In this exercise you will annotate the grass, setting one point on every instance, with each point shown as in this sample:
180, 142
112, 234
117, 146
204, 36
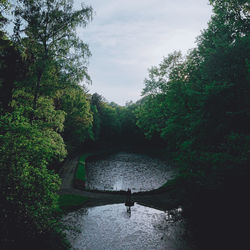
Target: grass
80, 174
80, 171
69, 202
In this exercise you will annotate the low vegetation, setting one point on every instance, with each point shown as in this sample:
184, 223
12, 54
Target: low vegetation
70, 202
80, 174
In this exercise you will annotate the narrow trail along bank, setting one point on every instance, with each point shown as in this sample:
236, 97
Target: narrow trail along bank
159, 200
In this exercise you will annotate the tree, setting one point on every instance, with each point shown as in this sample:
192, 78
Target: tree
130, 132
45, 32
40, 96
4, 4
158, 78
28, 199
205, 99
163, 112
110, 123
11, 69
78, 120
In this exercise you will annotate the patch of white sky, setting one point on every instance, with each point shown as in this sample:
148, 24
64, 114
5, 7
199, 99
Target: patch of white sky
127, 37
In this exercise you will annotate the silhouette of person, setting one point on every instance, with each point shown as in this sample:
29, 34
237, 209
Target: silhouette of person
129, 209
128, 201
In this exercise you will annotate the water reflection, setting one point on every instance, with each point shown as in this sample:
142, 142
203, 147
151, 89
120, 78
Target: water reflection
127, 170
111, 227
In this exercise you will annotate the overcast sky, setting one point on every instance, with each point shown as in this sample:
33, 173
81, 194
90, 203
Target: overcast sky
126, 37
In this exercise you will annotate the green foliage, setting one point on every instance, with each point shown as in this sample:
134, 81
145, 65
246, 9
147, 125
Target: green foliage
45, 33
41, 107
80, 171
110, 122
28, 189
4, 4
10, 70
37, 144
106, 125
96, 123
199, 105
152, 115
159, 77
130, 132
69, 202
114, 124
96, 106
78, 120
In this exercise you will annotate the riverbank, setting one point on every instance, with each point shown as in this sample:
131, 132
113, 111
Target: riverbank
162, 198
214, 216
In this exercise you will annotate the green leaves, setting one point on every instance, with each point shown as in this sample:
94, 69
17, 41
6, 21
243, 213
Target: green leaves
152, 115
159, 77
46, 35
199, 104
41, 101
28, 188
78, 119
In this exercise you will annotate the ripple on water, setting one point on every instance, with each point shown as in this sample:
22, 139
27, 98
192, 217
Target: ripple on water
127, 170
111, 227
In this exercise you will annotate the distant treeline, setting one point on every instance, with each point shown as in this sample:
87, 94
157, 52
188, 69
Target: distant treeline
196, 107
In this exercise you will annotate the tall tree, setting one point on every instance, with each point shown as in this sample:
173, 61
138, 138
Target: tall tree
44, 55
45, 30
4, 4
207, 116
78, 120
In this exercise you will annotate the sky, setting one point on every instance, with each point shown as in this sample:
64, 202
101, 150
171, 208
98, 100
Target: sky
127, 37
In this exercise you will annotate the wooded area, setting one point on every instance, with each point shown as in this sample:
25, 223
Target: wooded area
195, 106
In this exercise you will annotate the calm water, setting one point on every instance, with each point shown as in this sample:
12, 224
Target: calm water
127, 170
111, 227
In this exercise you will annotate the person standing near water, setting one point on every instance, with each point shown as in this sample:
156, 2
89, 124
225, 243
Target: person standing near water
129, 202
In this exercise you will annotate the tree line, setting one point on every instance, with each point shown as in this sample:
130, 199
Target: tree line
195, 106
46, 115
199, 105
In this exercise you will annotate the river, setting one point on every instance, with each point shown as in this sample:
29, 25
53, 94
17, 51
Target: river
124, 170
111, 226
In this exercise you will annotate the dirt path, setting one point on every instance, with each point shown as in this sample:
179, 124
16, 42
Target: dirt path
67, 173
161, 200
